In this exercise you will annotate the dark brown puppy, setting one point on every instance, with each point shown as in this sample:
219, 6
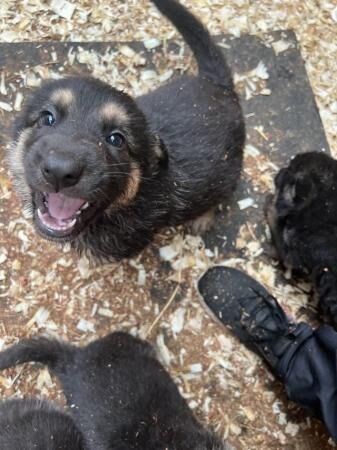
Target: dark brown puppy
33, 424
104, 171
302, 216
120, 396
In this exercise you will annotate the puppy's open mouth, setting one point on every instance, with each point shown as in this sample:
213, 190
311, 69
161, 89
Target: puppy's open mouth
59, 216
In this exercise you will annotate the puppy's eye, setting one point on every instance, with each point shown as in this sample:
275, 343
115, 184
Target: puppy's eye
47, 119
116, 139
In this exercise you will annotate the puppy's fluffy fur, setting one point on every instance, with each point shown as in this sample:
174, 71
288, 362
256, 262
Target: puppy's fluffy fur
120, 395
302, 216
36, 425
104, 171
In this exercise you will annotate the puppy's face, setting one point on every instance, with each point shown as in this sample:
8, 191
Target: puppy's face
81, 148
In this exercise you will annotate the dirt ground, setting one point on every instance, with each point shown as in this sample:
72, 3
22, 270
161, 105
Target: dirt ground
46, 289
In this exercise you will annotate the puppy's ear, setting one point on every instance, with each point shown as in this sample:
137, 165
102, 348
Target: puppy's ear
295, 192
281, 178
305, 191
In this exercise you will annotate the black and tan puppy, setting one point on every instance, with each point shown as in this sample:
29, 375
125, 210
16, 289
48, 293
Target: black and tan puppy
120, 396
36, 425
302, 216
104, 171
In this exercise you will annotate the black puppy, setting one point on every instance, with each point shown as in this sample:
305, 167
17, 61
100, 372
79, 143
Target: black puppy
104, 171
36, 425
120, 396
302, 216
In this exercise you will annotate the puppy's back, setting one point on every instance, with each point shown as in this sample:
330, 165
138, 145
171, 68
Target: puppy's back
36, 425
121, 396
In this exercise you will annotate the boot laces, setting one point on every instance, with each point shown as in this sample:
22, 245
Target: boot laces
262, 317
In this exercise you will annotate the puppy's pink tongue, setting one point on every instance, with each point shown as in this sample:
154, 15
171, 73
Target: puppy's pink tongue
62, 207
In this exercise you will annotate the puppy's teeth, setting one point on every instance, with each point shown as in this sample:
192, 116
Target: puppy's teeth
72, 223
78, 212
39, 213
85, 206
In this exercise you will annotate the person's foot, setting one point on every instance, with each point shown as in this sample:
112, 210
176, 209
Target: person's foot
254, 316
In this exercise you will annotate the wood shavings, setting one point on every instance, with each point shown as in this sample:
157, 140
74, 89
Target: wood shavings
105, 312
261, 132
3, 255
261, 71
251, 150
333, 107
332, 443
260, 170
150, 44
246, 203
6, 106
44, 379
18, 101
193, 404
281, 437
226, 344
196, 368
282, 419
166, 76
254, 248
281, 46
39, 318
165, 354
177, 320
184, 253
127, 51
252, 83
168, 252
141, 280
235, 429
85, 326
267, 274
148, 75
63, 8
292, 429
184, 262
21, 308
3, 89
83, 266
163, 311
31, 80
249, 413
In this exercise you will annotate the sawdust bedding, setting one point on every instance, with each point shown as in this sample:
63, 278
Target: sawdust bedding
44, 289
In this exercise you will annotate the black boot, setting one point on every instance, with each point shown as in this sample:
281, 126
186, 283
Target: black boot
250, 311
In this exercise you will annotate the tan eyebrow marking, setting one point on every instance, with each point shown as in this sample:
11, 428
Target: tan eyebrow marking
62, 97
112, 111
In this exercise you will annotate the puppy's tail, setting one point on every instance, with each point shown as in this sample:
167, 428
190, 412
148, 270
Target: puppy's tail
210, 59
54, 354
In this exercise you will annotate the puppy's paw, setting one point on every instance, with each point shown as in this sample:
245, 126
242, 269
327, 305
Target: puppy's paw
202, 223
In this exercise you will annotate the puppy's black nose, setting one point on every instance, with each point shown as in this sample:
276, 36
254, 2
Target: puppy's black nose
60, 170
